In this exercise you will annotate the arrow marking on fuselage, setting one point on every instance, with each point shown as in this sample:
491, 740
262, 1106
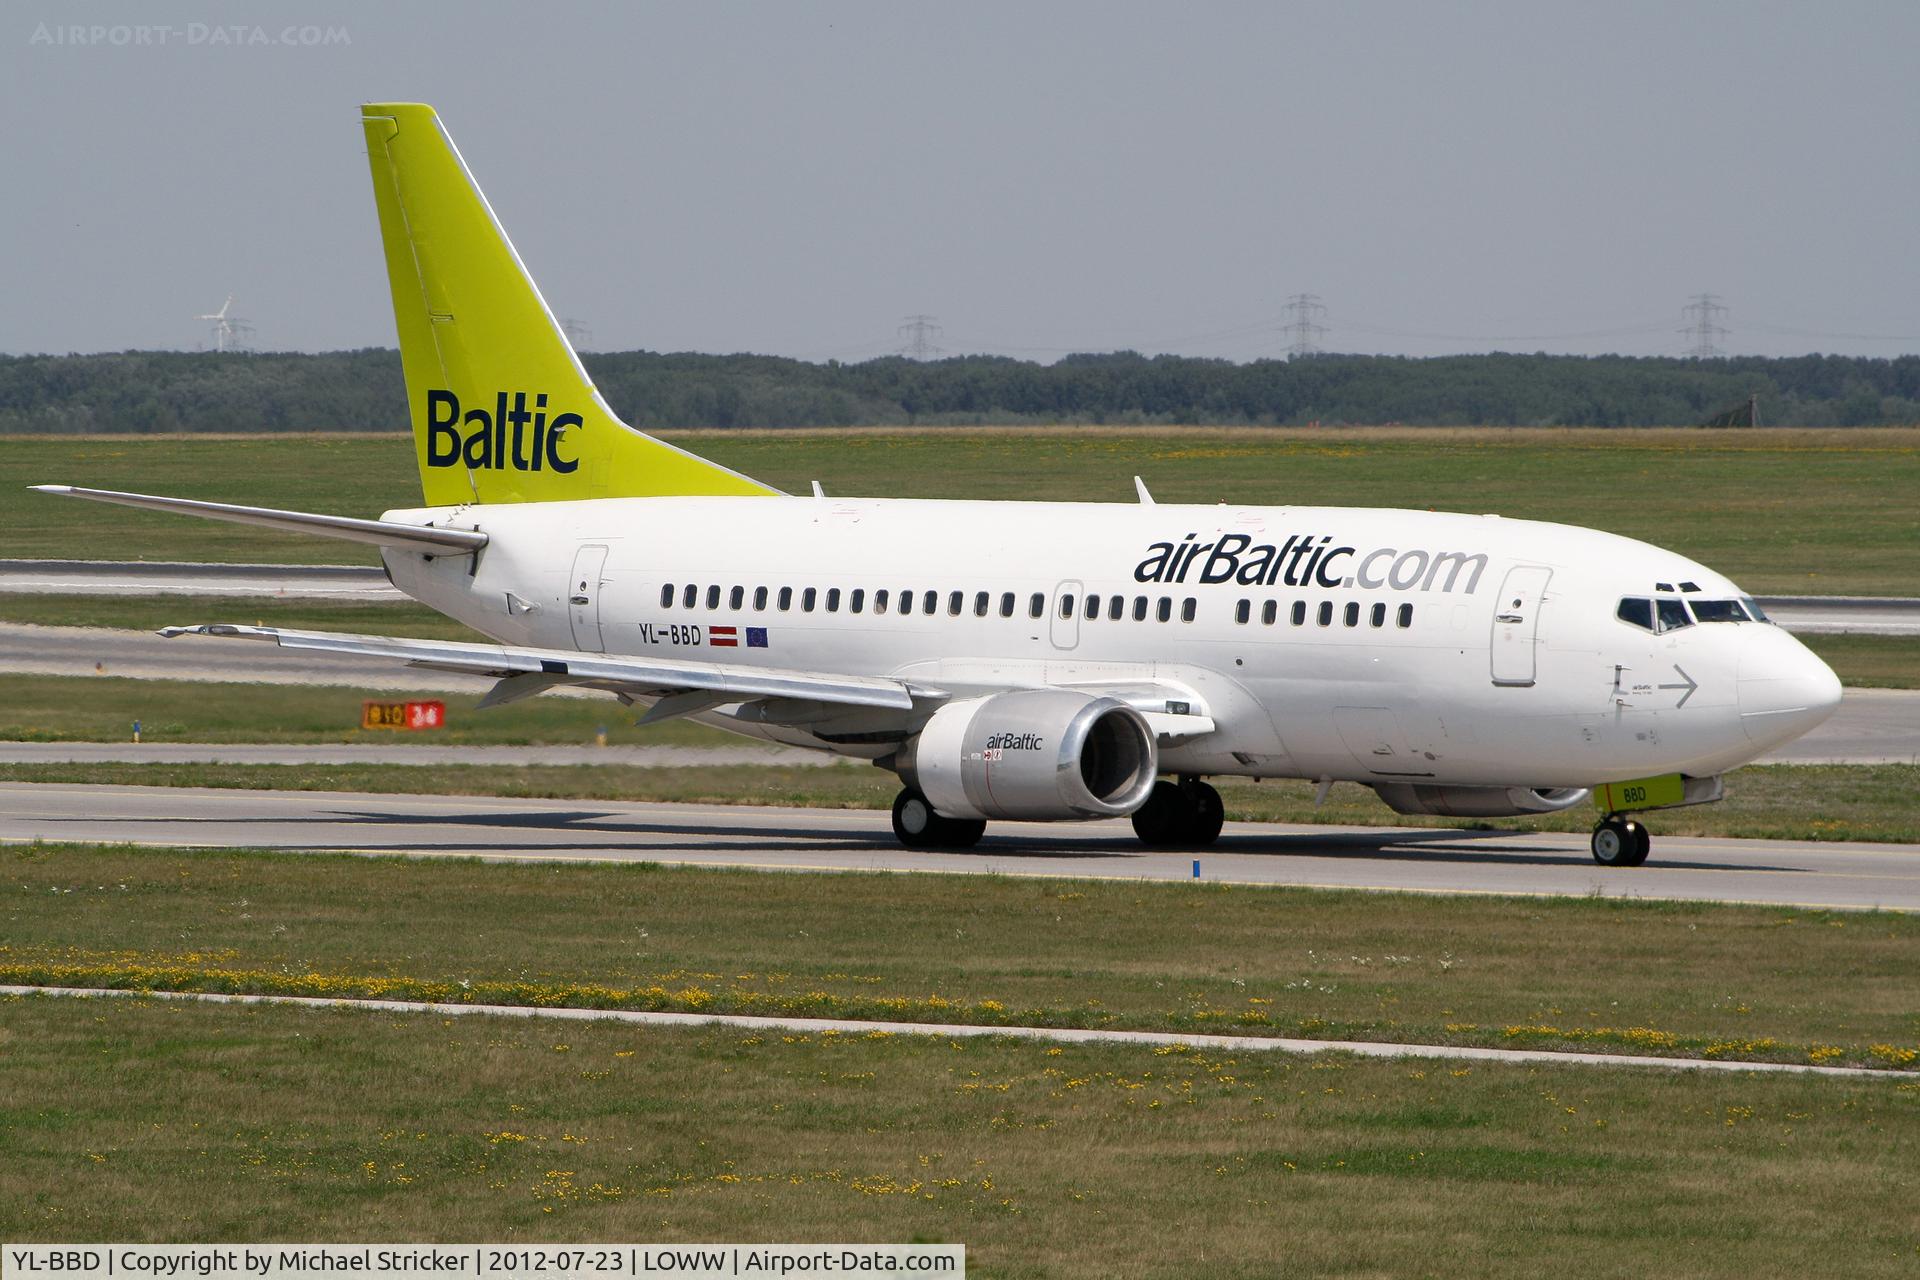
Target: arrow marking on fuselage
1690, 685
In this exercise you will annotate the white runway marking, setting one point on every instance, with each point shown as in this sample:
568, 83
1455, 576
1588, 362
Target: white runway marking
1064, 1035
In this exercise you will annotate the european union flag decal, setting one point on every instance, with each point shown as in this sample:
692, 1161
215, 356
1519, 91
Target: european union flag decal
756, 637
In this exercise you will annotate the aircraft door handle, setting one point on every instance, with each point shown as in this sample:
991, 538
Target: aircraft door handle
578, 599
1509, 617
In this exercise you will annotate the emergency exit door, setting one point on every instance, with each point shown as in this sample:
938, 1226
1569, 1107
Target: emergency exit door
583, 598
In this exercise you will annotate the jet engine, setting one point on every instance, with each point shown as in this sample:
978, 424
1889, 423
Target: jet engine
1476, 802
1033, 754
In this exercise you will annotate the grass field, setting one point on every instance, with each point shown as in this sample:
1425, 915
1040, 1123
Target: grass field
1764, 802
1682, 979
127, 1121
1781, 511
102, 708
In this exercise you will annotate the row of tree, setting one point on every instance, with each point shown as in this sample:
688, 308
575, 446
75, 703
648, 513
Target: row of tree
159, 391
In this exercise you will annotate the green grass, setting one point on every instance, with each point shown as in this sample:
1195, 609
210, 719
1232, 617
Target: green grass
1782, 511
1687, 979
102, 708
132, 1121
1871, 662
1764, 802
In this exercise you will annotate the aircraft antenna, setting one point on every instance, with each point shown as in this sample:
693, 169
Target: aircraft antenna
1703, 327
1303, 326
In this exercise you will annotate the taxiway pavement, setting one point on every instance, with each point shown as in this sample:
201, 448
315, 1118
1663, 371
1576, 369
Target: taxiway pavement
1833, 875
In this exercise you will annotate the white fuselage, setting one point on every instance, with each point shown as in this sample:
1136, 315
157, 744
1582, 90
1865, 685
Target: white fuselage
1431, 647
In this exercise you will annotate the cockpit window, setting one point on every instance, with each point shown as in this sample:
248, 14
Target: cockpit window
1673, 614
1754, 610
1638, 611
1719, 611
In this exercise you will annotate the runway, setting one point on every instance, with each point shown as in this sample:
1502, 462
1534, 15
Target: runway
1836, 875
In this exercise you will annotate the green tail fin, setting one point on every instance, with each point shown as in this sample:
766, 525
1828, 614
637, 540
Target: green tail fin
502, 409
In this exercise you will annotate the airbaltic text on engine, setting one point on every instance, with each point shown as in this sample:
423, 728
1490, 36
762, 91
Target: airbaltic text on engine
484, 445
1306, 560
1015, 742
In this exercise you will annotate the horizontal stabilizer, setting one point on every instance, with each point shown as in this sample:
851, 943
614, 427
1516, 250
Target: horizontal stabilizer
380, 533
635, 676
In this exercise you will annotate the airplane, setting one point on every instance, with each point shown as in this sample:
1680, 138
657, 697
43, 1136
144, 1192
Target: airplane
1021, 661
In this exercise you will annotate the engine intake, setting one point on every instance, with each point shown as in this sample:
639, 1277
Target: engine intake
1034, 754
1476, 802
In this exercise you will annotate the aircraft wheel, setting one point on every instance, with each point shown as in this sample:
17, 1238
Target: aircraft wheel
914, 820
917, 826
1642, 843
1614, 843
1166, 816
1209, 812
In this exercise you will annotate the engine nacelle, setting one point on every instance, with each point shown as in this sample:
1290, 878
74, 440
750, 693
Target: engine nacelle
1476, 802
1034, 754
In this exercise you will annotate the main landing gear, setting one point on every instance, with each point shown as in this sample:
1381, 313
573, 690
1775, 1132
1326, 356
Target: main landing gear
917, 826
1186, 813
1620, 842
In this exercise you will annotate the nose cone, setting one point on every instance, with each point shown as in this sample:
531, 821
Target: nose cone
1784, 689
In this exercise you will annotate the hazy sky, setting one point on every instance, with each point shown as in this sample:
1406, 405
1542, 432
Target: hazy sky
796, 178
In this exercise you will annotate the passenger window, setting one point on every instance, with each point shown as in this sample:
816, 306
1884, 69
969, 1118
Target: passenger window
1636, 610
1406, 615
880, 600
906, 603
981, 602
1379, 616
1326, 613
1006, 604
1719, 611
1116, 608
856, 600
1299, 614
1091, 609
956, 601
1139, 608
760, 599
1673, 614
930, 602
736, 597
1164, 610
807, 598
1188, 608
786, 599
1353, 613
1066, 605
1243, 612
833, 599
689, 596
1037, 605
713, 597
666, 596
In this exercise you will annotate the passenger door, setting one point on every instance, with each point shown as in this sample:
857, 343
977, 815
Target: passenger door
1516, 624
583, 598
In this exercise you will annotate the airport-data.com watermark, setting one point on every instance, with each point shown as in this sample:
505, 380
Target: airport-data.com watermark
186, 35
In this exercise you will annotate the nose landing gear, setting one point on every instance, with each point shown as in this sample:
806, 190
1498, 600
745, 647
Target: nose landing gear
1620, 842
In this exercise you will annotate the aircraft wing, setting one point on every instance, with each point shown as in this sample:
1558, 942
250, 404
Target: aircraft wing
522, 672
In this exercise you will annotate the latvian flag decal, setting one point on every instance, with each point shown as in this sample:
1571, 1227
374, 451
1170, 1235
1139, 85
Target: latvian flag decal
723, 637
